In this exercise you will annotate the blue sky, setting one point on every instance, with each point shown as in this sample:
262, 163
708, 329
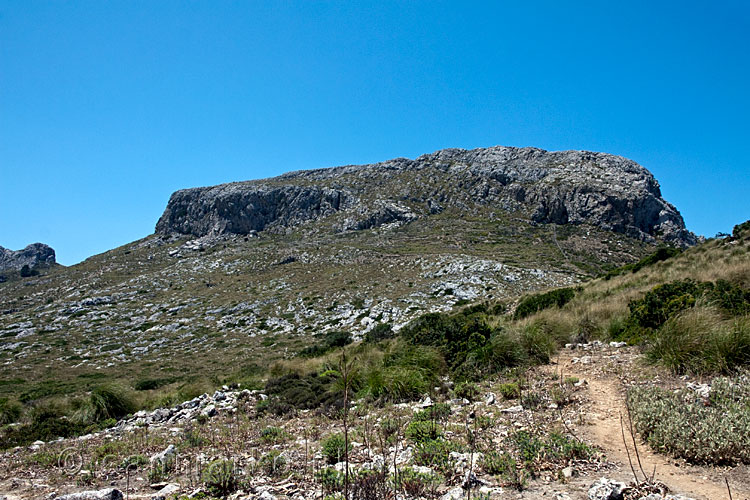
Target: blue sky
108, 107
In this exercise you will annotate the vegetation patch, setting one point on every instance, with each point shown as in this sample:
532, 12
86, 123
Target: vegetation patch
537, 302
713, 430
661, 254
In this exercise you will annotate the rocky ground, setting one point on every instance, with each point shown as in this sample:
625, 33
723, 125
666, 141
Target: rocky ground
178, 450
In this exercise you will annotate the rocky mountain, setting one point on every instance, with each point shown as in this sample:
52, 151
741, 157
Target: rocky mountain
566, 187
251, 273
34, 255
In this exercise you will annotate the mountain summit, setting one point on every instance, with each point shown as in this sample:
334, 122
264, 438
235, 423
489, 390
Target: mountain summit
562, 187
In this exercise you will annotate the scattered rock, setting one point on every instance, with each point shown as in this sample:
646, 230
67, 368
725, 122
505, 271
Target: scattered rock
606, 489
107, 494
165, 457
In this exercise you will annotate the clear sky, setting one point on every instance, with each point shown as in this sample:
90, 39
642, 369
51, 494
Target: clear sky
108, 107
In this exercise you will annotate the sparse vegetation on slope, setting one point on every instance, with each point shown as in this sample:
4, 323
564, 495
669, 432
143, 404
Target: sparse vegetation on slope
685, 424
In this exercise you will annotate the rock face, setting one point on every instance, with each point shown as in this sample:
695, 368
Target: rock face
564, 187
33, 255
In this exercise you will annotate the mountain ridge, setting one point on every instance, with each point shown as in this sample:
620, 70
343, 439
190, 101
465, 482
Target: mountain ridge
560, 187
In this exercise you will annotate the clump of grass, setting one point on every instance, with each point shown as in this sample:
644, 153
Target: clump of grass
698, 342
10, 411
46, 422
110, 401
683, 424
405, 372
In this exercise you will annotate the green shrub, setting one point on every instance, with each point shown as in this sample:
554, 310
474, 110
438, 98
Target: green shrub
437, 413
510, 390
47, 423
382, 331
553, 448
331, 341
150, 384
467, 390
683, 424
505, 466
470, 347
661, 254
295, 392
334, 448
330, 479
417, 484
406, 372
537, 302
420, 431
436, 454
273, 435
696, 342
538, 342
273, 463
741, 230
219, 478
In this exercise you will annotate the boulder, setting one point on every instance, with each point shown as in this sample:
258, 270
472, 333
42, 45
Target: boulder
106, 494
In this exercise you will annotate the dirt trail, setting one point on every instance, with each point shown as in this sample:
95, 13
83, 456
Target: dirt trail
607, 401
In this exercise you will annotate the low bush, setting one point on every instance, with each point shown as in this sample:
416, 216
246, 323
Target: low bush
466, 390
435, 454
47, 423
110, 402
334, 448
296, 392
220, 478
272, 463
331, 341
382, 331
683, 424
420, 431
553, 448
417, 484
406, 372
472, 349
435, 413
505, 466
539, 342
537, 302
150, 384
273, 435
330, 479
510, 390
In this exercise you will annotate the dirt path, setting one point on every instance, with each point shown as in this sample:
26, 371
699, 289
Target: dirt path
606, 402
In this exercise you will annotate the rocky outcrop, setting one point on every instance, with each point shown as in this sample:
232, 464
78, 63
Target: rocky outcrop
241, 208
564, 187
34, 255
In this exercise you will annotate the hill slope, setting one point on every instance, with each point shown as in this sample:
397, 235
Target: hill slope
243, 274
